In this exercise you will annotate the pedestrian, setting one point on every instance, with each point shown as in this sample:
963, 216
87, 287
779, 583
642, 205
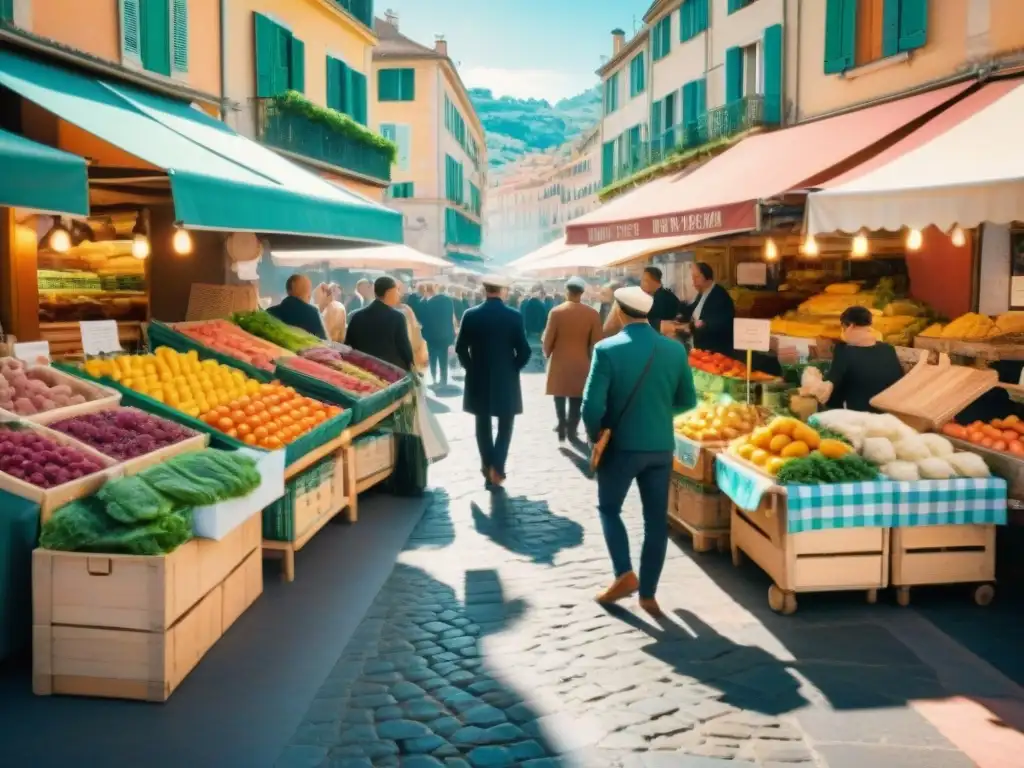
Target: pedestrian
572, 330
534, 315
380, 330
363, 296
439, 332
666, 305
295, 308
712, 313
332, 311
412, 299
493, 350
639, 380
412, 325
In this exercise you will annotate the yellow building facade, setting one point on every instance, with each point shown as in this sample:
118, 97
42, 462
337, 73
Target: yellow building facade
439, 178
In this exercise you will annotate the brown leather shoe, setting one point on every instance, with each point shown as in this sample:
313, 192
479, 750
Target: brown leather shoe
496, 478
650, 605
621, 588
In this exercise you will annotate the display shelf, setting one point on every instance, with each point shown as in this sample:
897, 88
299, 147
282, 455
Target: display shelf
372, 421
944, 554
375, 479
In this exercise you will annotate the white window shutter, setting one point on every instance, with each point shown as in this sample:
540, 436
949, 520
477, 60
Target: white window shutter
404, 142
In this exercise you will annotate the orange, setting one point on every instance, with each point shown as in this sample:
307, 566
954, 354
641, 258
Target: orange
225, 423
249, 440
303, 411
260, 433
223, 410
274, 411
244, 400
249, 409
319, 416
237, 416
232, 433
273, 443
259, 405
243, 429
273, 426
286, 421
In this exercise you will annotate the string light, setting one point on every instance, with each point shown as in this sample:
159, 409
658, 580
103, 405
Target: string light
810, 246
59, 239
182, 241
771, 250
860, 246
957, 237
914, 240
140, 240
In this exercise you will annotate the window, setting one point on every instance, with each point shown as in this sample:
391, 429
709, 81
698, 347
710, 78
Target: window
611, 94
361, 9
401, 191
695, 103
636, 76
661, 38
858, 32
752, 82
693, 19
401, 136
396, 85
771, 72
735, 5
280, 59
461, 230
454, 122
454, 180
154, 33
474, 198
607, 163
346, 90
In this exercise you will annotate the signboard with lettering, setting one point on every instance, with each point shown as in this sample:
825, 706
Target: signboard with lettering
736, 217
752, 335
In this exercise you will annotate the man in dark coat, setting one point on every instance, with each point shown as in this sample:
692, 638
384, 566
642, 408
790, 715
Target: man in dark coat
361, 297
493, 350
666, 305
296, 310
535, 315
413, 299
379, 329
439, 332
711, 315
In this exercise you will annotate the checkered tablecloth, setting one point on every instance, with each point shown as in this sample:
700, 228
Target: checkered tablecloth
874, 504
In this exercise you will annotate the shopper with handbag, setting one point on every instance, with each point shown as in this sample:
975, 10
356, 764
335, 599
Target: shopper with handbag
638, 381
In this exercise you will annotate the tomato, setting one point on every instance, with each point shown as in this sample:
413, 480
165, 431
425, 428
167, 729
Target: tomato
1010, 435
987, 442
999, 445
1016, 447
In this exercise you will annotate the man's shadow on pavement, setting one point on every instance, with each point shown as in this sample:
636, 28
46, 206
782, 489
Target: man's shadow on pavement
749, 677
435, 529
526, 527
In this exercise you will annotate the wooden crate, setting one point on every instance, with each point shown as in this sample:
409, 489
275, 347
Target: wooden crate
98, 397
134, 592
149, 665
703, 469
372, 457
840, 559
944, 554
702, 514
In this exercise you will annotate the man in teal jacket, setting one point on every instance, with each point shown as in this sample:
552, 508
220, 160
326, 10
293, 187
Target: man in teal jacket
638, 381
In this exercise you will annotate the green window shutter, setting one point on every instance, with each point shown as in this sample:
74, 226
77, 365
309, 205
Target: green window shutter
687, 20
131, 36
772, 68
840, 35
700, 97
891, 27
347, 101
666, 36
656, 120
358, 81
387, 85
407, 84
690, 103
913, 24
334, 84
702, 16
179, 35
735, 5
297, 66
7, 10
403, 138
607, 163
668, 112
155, 35
733, 75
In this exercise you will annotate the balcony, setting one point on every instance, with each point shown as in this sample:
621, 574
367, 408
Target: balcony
716, 126
295, 125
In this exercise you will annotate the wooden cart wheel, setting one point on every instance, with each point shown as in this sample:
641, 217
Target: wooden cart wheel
984, 594
872, 596
781, 601
903, 596
737, 557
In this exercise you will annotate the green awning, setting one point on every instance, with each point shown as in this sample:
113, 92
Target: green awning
464, 258
42, 178
219, 179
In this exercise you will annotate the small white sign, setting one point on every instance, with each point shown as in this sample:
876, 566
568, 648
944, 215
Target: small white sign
1016, 291
752, 273
753, 335
33, 352
100, 337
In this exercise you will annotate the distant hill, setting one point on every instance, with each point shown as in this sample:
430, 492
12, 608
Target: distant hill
517, 127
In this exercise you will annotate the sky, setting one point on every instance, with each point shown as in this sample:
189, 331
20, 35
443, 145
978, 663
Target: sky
545, 49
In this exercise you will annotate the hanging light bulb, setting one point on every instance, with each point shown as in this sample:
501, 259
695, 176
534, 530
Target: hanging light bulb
140, 240
810, 246
914, 240
771, 250
182, 241
860, 246
957, 237
58, 239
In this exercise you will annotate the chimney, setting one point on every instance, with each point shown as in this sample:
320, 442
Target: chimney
391, 18
618, 41
441, 45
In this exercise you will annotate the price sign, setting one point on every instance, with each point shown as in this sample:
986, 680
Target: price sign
100, 337
687, 451
752, 335
752, 273
33, 352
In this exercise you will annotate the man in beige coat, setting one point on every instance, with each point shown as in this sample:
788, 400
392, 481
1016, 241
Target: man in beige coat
571, 332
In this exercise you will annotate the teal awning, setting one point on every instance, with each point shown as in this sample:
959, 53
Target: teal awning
41, 178
464, 258
219, 179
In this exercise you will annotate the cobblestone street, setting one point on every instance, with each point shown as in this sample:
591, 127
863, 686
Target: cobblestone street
485, 647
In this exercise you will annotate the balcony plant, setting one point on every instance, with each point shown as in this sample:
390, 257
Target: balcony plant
337, 122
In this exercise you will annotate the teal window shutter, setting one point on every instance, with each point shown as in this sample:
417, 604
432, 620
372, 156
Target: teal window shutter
840, 35
702, 16
179, 36
666, 36
388, 85
607, 163
403, 138
668, 112
735, 5
772, 49
700, 97
347, 90
358, 113
266, 54
913, 24
155, 35
733, 75
636, 76
407, 84
334, 85
891, 27
131, 36
7, 10
656, 120
687, 20
297, 66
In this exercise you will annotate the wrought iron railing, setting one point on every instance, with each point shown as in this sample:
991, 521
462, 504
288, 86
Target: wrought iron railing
719, 123
294, 132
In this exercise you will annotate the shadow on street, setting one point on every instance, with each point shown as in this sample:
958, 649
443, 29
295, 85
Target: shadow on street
435, 529
526, 527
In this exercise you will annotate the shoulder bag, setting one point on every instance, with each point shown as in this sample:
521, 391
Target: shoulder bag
604, 437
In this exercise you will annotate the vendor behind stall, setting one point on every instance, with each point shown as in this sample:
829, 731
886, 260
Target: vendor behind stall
295, 308
711, 314
862, 366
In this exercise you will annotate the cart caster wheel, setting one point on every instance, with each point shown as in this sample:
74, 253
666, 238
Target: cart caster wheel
903, 596
984, 594
780, 601
737, 557
872, 596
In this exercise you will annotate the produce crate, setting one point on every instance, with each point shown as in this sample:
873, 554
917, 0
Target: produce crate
696, 461
97, 397
701, 511
83, 659
944, 554
162, 335
362, 407
374, 453
215, 521
307, 497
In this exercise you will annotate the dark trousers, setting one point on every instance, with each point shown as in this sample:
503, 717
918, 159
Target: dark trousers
438, 352
575, 406
652, 471
494, 449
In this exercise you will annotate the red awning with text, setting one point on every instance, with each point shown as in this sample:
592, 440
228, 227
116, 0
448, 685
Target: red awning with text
723, 194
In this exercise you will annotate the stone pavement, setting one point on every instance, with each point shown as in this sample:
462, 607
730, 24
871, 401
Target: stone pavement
485, 647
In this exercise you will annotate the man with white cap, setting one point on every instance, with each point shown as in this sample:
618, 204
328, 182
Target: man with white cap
638, 381
493, 350
571, 332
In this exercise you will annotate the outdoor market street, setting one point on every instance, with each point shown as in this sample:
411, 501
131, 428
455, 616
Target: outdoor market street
485, 648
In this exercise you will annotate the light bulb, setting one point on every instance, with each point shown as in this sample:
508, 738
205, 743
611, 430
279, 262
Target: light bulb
958, 238
182, 242
810, 246
860, 246
914, 240
771, 250
140, 246
60, 240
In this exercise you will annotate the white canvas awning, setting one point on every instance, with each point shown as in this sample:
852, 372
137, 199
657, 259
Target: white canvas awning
612, 254
384, 258
962, 168
544, 252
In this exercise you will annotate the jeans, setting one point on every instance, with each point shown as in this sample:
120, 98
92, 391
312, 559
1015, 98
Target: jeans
575, 405
494, 450
652, 471
438, 353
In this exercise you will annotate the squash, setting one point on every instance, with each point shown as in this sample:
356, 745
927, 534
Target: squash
798, 449
783, 425
833, 449
773, 465
778, 443
760, 457
745, 451
761, 438
805, 434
